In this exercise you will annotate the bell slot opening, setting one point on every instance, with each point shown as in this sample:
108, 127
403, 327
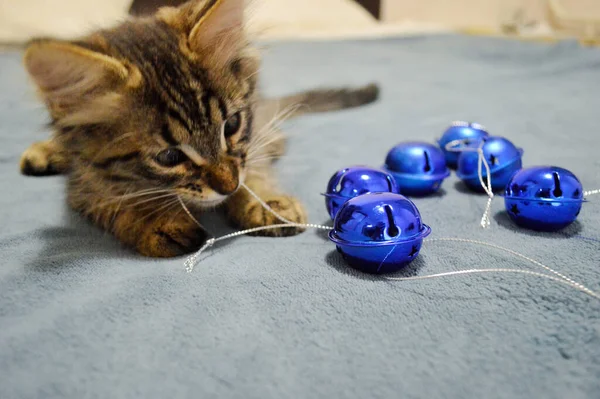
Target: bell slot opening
427, 167
392, 229
557, 191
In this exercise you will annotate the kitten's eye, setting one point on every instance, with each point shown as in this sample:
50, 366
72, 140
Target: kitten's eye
170, 157
233, 124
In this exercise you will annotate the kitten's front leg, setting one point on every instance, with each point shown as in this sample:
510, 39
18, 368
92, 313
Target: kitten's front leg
168, 234
171, 236
246, 212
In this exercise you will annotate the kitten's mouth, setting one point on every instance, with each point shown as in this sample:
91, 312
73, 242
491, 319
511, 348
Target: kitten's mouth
203, 203
209, 203
193, 196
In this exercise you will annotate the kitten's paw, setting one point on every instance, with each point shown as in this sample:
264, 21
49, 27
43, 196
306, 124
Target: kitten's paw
42, 159
286, 206
171, 237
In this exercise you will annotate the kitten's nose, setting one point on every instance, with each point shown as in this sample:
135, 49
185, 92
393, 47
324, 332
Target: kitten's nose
223, 178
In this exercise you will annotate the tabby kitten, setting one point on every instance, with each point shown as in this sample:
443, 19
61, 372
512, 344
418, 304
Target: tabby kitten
159, 118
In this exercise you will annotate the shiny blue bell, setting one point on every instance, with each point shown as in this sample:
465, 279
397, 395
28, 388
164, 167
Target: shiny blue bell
543, 198
471, 132
418, 168
379, 232
354, 181
503, 158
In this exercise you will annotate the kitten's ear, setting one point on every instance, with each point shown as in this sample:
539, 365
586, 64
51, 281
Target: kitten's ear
65, 72
220, 23
214, 26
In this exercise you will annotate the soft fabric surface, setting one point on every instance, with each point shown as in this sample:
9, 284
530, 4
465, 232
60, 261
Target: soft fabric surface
285, 318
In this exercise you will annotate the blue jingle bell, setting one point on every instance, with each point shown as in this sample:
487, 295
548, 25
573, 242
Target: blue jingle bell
503, 158
418, 168
543, 198
379, 232
471, 132
354, 181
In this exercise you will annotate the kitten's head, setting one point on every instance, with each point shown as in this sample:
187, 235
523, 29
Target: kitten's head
162, 102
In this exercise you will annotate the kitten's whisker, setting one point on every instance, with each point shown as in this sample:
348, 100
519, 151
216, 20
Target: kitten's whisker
171, 208
129, 194
123, 200
159, 197
124, 197
268, 126
253, 149
277, 120
259, 141
116, 211
257, 171
265, 155
254, 74
166, 207
266, 131
150, 190
258, 152
264, 159
271, 125
284, 114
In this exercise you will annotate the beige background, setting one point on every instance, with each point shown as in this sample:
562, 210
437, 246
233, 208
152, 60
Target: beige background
462, 13
577, 17
287, 19
22, 19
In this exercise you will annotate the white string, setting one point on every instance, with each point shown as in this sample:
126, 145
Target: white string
473, 125
459, 124
485, 219
510, 251
187, 211
264, 204
191, 262
591, 192
475, 271
560, 278
462, 146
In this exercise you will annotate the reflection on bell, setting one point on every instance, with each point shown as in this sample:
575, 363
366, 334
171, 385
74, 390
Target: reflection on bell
354, 181
543, 198
379, 232
470, 132
418, 168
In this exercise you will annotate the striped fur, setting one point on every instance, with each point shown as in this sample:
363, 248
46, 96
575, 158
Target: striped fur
158, 119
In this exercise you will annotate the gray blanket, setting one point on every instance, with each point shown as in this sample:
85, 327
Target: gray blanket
80, 316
